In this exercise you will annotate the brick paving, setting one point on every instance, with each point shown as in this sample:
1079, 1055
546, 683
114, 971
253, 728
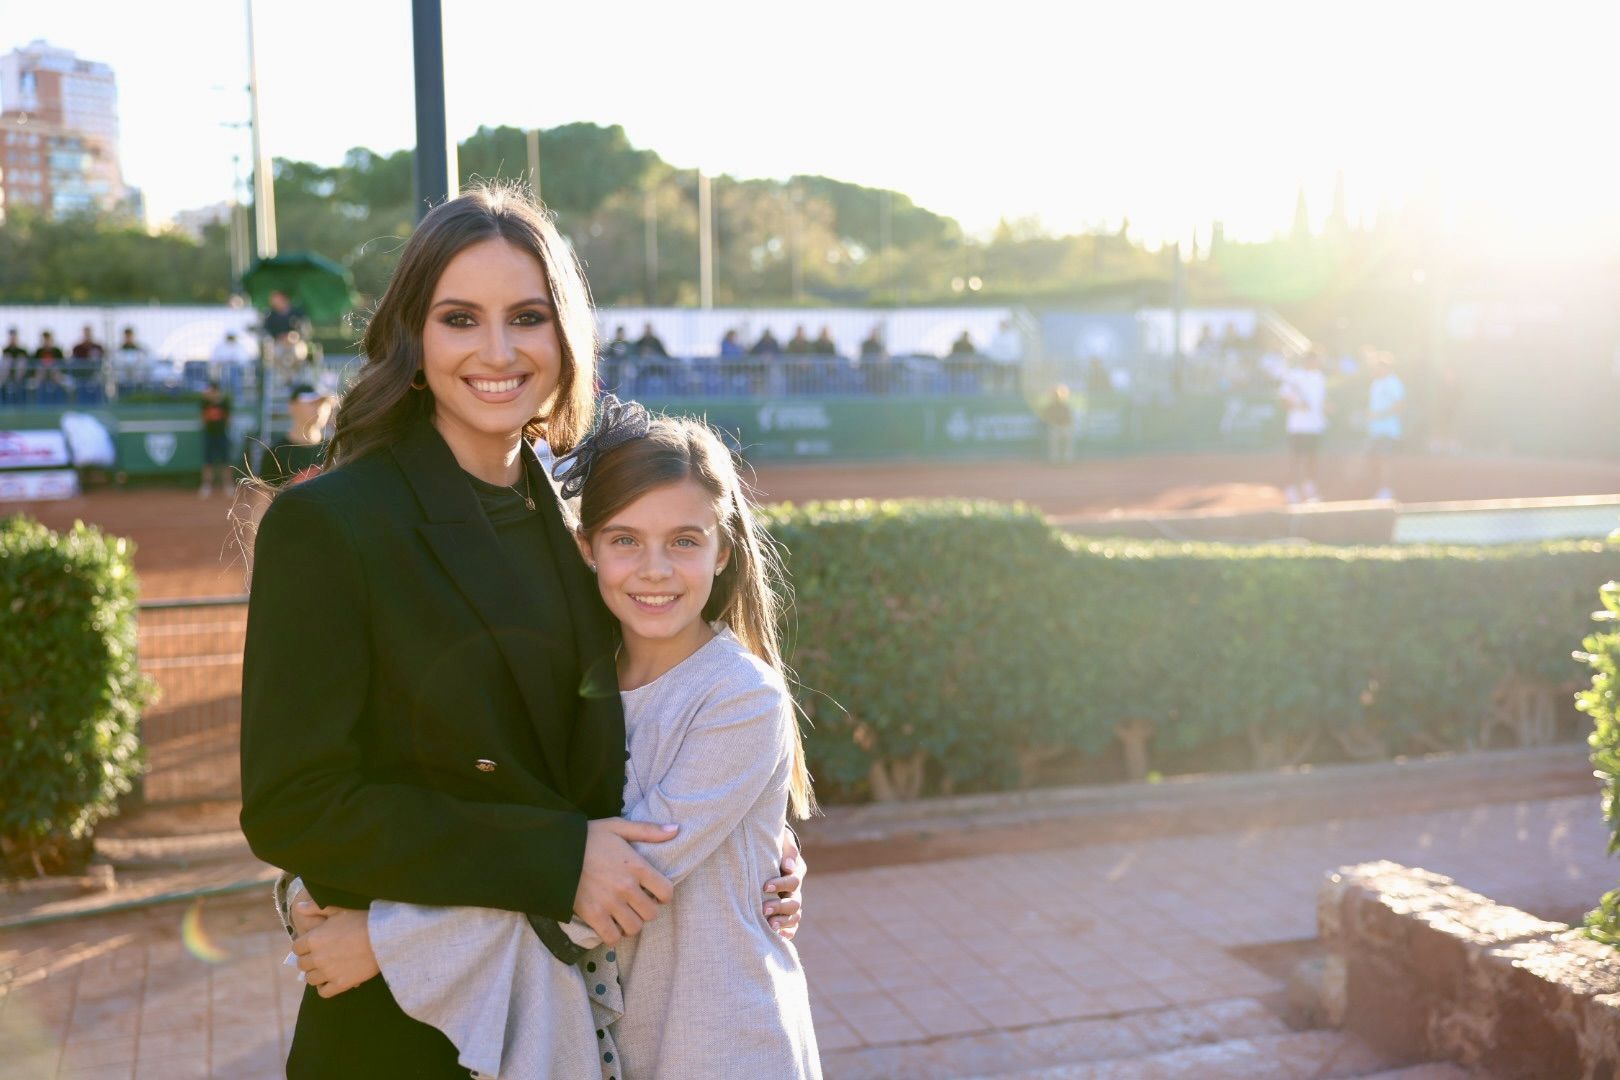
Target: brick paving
1023, 963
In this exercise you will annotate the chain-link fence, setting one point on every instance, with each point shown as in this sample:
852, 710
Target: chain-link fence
192, 650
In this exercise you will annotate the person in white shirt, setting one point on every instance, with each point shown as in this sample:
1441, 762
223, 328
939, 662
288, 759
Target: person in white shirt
229, 351
1304, 395
1386, 401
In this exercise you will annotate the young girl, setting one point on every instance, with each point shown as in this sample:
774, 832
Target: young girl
709, 989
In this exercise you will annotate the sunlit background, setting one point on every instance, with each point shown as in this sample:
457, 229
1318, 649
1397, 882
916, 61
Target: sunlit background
1496, 120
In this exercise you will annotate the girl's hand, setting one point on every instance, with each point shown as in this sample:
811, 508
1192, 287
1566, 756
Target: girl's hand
783, 904
336, 955
306, 914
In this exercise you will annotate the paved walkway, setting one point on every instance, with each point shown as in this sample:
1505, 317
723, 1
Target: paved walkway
983, 966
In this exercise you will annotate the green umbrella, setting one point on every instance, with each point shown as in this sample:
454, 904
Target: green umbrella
323, 288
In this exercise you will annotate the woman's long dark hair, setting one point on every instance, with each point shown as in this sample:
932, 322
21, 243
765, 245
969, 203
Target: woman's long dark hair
381, 404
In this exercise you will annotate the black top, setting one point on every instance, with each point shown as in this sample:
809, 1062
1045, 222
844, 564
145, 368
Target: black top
536, 575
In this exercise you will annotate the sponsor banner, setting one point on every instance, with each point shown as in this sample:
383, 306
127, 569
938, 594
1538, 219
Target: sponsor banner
156, 445
38, 486
809, 429
33, 450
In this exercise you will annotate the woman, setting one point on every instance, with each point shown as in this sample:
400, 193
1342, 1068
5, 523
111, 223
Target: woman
428, 706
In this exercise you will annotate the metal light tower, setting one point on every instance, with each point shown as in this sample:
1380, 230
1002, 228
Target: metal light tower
264, 187
705, 242
436, 178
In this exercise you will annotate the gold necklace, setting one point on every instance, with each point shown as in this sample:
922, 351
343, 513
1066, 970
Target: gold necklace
527, 494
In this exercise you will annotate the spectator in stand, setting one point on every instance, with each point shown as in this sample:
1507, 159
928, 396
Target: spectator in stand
872, 347
960, 362
216, 423
48, 362
88, 347
649, 343
1386, 401
767, 345
14, 359
619, 346
229, 351
761, 357
85, 360
824, 344
129, 360
799, 344
1304, 395
730, 347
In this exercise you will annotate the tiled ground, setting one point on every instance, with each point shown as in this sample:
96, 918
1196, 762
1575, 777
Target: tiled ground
912, 968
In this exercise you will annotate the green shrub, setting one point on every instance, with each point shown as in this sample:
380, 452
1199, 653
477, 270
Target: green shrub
954, 644
70, 693
1601, 701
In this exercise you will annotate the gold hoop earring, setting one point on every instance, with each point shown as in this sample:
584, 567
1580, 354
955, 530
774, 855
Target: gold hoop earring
420, 374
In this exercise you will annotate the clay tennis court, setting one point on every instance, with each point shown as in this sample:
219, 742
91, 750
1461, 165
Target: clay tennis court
185, 546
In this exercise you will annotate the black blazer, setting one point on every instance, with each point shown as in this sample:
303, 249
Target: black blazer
399, 738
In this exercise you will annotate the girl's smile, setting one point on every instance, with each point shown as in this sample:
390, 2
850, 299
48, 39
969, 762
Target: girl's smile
656, 561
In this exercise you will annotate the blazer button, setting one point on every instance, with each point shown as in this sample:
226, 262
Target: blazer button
485, 765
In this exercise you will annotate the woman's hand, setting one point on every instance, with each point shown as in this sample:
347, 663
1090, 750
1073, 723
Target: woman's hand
619, 891
336, 954
783, 905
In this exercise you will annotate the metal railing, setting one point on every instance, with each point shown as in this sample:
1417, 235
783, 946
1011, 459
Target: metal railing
778, 375
192, 651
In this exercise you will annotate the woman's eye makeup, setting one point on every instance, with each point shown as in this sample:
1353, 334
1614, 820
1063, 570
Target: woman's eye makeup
530, 317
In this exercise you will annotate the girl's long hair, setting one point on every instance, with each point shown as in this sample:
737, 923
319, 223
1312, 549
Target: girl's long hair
381, 404
750, 595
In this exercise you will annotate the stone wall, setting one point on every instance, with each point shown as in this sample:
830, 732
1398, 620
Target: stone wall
1426, 969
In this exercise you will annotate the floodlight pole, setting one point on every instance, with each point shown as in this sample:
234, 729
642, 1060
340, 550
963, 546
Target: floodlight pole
436, 178
533, 139
705, 242
264, 187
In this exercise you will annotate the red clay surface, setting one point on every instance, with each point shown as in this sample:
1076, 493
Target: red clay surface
185, 545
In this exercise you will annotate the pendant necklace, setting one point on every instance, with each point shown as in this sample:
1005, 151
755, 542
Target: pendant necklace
527, 494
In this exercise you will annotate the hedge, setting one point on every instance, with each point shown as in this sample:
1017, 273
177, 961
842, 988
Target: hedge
1601, 701
947, 645
70, 693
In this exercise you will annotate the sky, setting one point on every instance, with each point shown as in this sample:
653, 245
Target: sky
1079, 115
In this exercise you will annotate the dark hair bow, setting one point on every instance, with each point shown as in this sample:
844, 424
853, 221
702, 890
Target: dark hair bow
617, 423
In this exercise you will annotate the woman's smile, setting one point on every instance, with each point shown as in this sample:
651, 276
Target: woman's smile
496, 391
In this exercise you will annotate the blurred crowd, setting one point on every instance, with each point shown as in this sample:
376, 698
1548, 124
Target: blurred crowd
644, 367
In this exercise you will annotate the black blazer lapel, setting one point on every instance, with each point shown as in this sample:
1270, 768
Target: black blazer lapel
596, 751
466, 546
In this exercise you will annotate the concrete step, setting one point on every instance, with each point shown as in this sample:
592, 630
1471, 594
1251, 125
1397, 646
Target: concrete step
1295, 1055
1044, 1045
